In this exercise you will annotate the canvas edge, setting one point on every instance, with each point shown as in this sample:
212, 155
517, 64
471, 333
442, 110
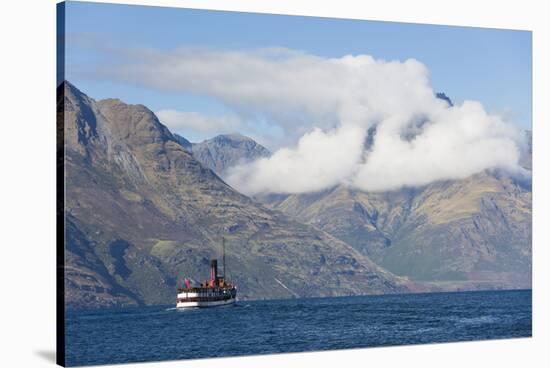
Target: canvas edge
60, 187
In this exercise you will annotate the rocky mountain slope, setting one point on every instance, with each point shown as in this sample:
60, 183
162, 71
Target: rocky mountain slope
141, 213
227, 150
474, 231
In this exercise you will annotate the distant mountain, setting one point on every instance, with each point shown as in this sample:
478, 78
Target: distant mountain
475, 231
142, 213
227, 150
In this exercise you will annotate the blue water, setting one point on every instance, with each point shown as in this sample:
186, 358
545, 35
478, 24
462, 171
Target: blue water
259, 327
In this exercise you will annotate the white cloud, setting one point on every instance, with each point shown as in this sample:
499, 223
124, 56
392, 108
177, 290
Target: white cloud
182, 120
318, 161
326, 106
455, 143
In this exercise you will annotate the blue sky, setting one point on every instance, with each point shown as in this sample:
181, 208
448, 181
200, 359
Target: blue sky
488, 65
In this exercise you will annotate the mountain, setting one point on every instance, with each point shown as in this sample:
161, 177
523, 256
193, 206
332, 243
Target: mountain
141, 213
226, 150
474, 231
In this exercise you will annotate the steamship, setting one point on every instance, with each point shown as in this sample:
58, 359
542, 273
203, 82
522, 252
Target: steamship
215, 292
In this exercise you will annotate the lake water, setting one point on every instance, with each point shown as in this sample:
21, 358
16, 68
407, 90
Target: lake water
260, 327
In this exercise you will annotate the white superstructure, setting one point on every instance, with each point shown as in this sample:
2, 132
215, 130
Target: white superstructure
206, 297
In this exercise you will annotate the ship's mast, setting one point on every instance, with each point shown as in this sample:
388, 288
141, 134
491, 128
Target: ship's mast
223, 256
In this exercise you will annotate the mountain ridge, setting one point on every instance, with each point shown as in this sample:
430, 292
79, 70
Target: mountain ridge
472, 229
141, 212
228, 150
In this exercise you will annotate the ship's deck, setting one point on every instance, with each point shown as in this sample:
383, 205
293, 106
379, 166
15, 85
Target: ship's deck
207, 289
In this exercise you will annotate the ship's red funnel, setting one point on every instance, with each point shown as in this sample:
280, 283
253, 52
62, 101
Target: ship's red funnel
213, 270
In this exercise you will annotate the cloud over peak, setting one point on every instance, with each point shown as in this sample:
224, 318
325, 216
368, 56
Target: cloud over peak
326, 106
